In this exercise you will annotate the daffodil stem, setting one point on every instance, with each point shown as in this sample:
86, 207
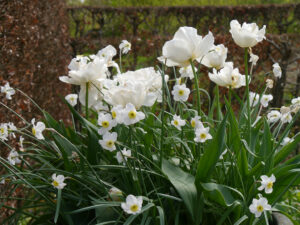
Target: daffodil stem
247, 93
197, 88
162, 115
87, 100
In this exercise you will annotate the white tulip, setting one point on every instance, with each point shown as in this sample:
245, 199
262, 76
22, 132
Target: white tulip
107, 54
202, 134
78, 62
8, 91
37, 129
267, 183
258, 206
216, 57
72, 99
58, 181
274, 116
108, 141
133, 205
277, 70
181, 92
265, 99
125, 46
246, 35
177, 122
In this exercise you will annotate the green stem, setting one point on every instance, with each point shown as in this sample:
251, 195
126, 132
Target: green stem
87, 100
229, 95
247, 94
162, 115
197, 88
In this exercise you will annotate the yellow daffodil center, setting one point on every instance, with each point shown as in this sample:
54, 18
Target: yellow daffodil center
134, 208
132, 114
176, 122
33, 131
193, 123
110, 144
55, 183
72, 99
113, 114
2, 130
270, 185
181, 92
105, 124
203, 136
260, 208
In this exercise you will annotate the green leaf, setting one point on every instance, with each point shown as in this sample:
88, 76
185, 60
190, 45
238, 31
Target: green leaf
266, 149
286, 150
161, 215
133, 217
242, 219
57, 205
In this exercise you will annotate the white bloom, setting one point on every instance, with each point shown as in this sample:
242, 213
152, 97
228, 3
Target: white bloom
100, 106
265, 99
21, 140
106, 122
177, 122
117, 113
8, 91
285, 109
258, 206
108, 141
133, 205
267, 183
2, 181
3, 131
13, 157
274, 116
37, 129
202, 134
115, 194
296, 101
11, 129
181, 93
122, 156
223, 154
58, 181
72, 99
246, 35
269, 83
187, 72
286, 117
131, 116
107, 54
253, 59
125, 46
216, 57
78, 62
254, 98
196, 123
277, 70
287, 140
228, 77
186, 45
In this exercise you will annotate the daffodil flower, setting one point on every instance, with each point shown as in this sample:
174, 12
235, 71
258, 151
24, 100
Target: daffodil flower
133, 205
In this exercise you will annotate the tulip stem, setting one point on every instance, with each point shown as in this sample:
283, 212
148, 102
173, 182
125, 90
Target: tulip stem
87, 100
247, 93
197, 88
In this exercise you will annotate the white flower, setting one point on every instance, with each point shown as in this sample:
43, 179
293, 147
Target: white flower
125, 46
72, 99
286, 141
253, 59
122, 156
267, 183
37, 129
11, 129
21, 143
269, 83
58, 181
117, 113
8, 91
187, 72
181, 93
131, 116
186, 45
177, 122
286, 117
108, 141
133, 205
13, 157
216, 57
223, 154
2, 181
285, 109
196, 123
99, 106
265, 99
106, 122
258, 206
246, 35
254, 98
274, 116
296, 101
78, 62
277, 70
107, 54
115, 194
228, 77
3, 131
202, 134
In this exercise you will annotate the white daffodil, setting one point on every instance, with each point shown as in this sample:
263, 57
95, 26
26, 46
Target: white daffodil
123, 155
269, 83
106, 122
177, 122
202, 134
277, 70
274, 116
216, 57
11, 129
131, 116
246, 35
21, 140
258, 206
196, 123
253, 59
117, 113
181, 93
253, 98
133, 205
286, 141
286, 117
108, 141
100, 106
187, 72
13, 157
115, 194
125, 46
267, 183
186, 46
72, 99
296, 101
37, 129
3, 131
228, 77
58, 181
265, 99
8, 91
2, 181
